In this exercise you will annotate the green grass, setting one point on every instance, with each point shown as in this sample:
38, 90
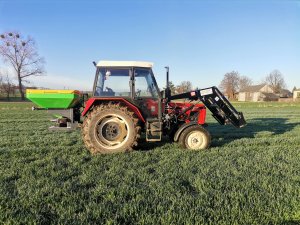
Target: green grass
248, 176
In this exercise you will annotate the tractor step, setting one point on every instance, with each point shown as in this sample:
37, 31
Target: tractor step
153, 130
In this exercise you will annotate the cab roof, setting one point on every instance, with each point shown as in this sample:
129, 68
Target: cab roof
124, 64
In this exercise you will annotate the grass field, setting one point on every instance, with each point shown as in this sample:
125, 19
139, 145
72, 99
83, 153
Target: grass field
248, 176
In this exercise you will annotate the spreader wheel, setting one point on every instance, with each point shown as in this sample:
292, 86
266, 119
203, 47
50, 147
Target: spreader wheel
110, 128
195, 138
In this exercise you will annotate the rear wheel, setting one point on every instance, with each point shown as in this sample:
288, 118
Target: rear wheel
195, 138
110, 128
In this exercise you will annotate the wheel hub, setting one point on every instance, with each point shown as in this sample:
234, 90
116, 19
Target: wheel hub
195, 140
112, 131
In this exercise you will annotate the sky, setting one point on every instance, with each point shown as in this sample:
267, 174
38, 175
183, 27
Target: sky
199, 40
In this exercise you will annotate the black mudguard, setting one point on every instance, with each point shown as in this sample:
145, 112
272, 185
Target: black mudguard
182, 128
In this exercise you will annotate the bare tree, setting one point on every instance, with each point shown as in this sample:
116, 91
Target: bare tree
184, 86
244, 82
21, 54
230, 84
7, 87
1, 82
276, 81
1, 78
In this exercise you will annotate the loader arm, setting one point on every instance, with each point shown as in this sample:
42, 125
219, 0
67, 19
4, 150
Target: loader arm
222, 110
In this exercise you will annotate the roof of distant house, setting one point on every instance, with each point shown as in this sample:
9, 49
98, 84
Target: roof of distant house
253, 88
285, 91
270, 95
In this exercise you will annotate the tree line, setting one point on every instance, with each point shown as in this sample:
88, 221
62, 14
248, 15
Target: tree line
7, 87
184, 86
233, 83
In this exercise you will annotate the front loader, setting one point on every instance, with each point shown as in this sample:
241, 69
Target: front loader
127, 106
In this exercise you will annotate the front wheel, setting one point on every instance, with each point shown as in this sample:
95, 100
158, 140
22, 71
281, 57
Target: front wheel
195, 138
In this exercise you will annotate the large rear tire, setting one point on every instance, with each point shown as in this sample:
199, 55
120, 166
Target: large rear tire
110, 128
195, 138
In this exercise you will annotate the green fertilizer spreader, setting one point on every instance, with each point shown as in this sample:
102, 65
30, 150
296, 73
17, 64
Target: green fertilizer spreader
54, 99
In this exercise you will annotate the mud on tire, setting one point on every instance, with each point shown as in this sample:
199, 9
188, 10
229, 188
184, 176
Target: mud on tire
110, 128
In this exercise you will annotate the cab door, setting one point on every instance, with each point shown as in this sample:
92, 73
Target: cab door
146, 94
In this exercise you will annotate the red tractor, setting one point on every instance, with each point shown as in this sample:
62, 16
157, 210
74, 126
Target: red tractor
127, 106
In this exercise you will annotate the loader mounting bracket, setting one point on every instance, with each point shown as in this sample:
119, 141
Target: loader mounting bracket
222, 110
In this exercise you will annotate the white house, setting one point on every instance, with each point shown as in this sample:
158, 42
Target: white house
296, 94
256, 93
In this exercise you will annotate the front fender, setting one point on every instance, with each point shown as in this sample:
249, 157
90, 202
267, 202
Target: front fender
182, 128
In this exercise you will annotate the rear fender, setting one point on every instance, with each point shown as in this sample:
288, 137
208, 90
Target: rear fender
97, 101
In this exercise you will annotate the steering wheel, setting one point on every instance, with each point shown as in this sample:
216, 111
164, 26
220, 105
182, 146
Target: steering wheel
109, 90
138, 93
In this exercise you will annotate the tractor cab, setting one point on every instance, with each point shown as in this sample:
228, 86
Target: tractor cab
133, 81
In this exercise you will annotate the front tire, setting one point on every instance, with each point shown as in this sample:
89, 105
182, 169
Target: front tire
195, 138
110, 128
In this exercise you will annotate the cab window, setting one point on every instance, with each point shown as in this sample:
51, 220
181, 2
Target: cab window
113, 82
144, 83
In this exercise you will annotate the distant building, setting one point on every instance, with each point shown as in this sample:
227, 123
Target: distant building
284, 93
257, 93
296, 94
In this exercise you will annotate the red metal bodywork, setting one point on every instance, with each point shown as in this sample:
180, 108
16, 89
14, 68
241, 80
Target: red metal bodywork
152, 106
179, 107
96, 100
